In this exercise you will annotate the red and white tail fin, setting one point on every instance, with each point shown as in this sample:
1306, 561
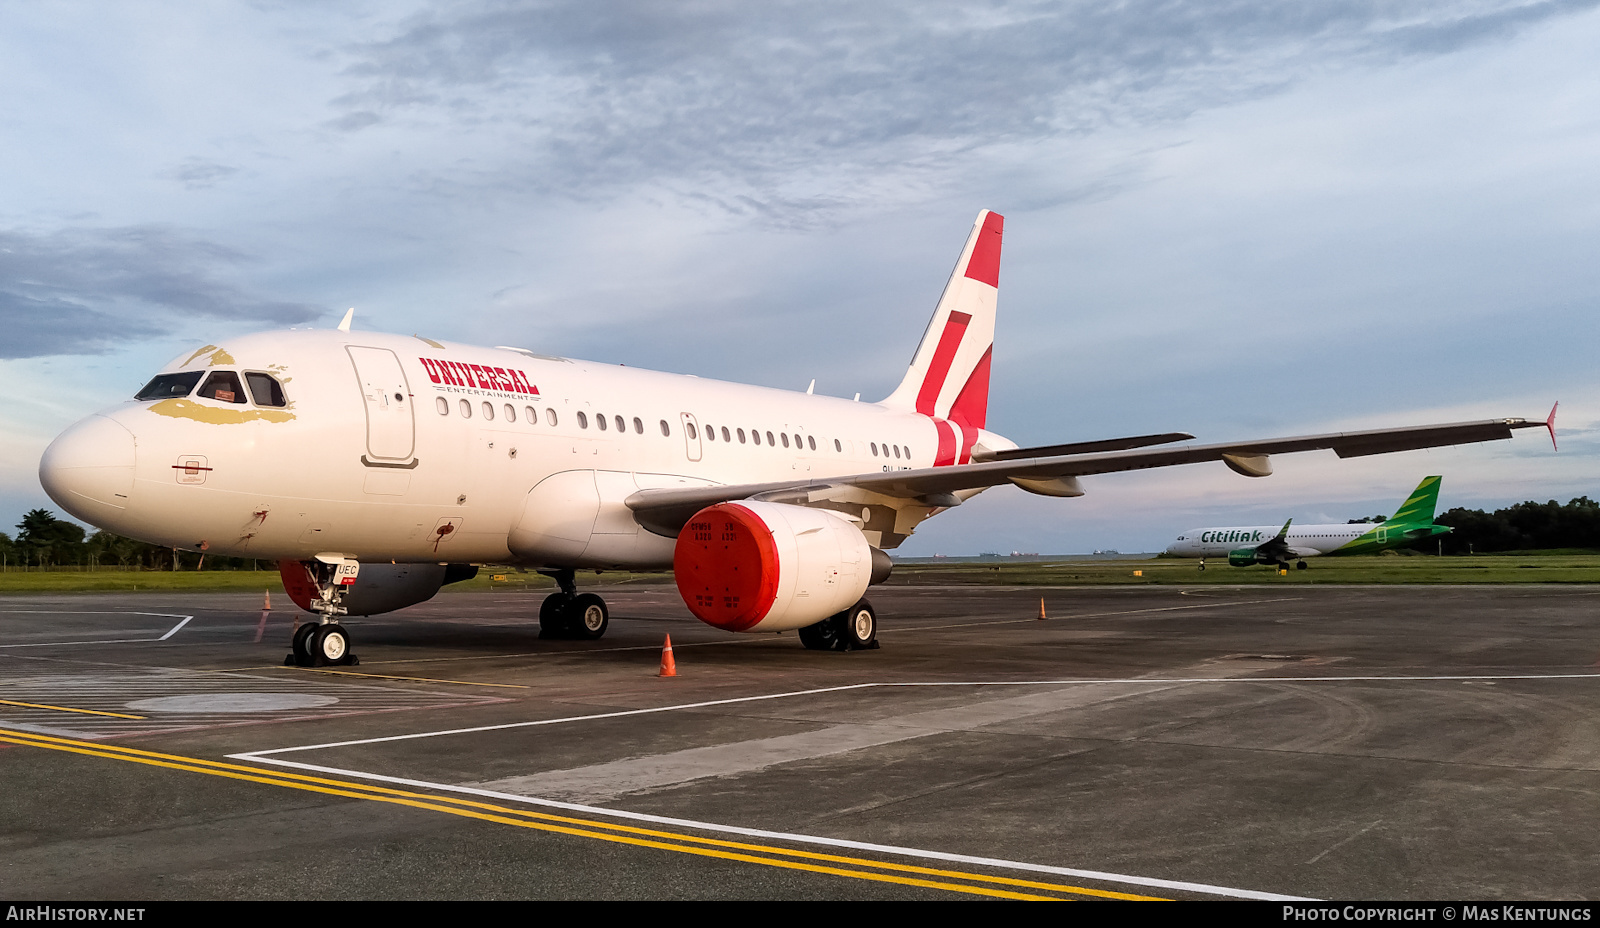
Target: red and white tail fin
949, 375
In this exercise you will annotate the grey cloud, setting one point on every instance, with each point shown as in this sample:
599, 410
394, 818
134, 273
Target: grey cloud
198, 173
81, 290
34, 328
634, 91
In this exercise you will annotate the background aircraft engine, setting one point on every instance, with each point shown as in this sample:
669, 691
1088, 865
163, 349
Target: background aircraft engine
754, 566
1244, 557
378, 587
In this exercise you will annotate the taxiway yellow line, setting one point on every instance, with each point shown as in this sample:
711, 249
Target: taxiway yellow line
622, 834
35, 705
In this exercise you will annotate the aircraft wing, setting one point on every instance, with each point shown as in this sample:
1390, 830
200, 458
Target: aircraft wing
666, 510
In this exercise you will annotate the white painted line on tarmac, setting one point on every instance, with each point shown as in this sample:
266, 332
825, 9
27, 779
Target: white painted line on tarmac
896, 850
174, 629
56, 644
574, 718
1152, 681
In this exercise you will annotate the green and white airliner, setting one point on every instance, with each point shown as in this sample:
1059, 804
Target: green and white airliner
1266, 544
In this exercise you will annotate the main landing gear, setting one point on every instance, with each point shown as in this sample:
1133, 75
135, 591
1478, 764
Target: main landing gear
570, 614
325, 642
855, 629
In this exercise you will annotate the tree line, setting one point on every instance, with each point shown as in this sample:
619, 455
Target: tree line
44, 541
1526, 526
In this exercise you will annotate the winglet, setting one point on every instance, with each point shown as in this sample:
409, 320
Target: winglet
1283, 532
349, 315
1550, 423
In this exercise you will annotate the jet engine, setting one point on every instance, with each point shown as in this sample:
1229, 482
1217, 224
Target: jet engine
378, 587
757, 566
1245, 557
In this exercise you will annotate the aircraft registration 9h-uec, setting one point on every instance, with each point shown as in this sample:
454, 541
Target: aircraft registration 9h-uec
377, 468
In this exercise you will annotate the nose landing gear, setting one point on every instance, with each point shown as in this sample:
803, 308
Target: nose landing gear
326, 642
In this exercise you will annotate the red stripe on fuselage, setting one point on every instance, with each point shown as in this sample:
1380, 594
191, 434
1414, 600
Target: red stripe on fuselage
984, 265
947, 444
949, 340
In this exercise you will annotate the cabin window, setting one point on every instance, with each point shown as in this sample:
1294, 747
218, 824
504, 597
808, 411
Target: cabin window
166, 386
600, 420
836, 445
488, 410
811, 442
622, 426
741, 435
466, 409
908, 452
897, 451
770, 441
223, 386
755, 436
667, 432
785, 440
265, 390
443, 404
583, 420
532, 414
550, 415
725, 434
797, 439
711, 432
874, 449
511, 413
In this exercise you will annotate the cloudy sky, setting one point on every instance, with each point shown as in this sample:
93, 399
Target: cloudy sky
1238, 219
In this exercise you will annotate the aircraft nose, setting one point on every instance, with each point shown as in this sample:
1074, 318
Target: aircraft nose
88, 469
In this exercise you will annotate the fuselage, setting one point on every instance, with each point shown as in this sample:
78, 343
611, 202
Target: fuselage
1302, 540
384, 447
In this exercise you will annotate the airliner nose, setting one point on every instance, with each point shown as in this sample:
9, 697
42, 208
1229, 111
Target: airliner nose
88, 469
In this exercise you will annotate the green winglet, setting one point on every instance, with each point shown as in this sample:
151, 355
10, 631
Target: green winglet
1283, 532
1418, 508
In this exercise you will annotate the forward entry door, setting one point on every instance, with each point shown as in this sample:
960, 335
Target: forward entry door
391, 429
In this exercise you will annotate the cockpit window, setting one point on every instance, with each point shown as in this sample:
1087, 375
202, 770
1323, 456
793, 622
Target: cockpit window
265, 390
167, 386
223, 386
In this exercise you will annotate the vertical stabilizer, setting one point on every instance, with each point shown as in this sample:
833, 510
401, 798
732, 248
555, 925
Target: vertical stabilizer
949, 375
1423, 500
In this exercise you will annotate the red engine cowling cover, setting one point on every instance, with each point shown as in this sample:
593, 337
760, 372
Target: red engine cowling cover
755, 566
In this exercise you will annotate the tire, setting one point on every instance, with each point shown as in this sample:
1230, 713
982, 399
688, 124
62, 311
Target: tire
587, 617
823, 636
300, 648
858, 627
330, 645
552, 618
1301, 565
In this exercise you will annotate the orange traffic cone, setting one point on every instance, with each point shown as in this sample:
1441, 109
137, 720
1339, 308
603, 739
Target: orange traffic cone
669, 667
1042, 616
266, 601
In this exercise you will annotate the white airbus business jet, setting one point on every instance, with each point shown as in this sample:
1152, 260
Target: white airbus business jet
376, 468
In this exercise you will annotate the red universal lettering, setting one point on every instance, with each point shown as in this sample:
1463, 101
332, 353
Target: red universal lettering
449, 374
461, 372
505, 380
432, 369
481, 377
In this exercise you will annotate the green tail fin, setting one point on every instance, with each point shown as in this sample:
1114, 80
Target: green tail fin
1419, 507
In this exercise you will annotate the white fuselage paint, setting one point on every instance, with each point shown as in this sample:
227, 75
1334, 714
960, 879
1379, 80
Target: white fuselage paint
1304, 541
343, 470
